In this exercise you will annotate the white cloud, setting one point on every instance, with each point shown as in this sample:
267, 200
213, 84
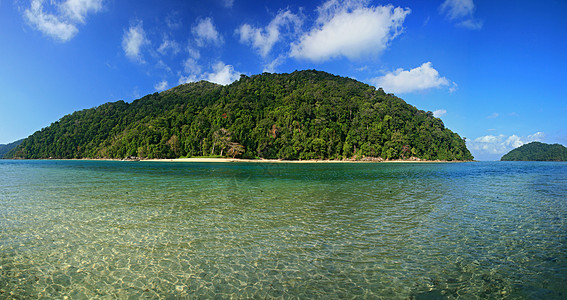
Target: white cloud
461, 11
49, 24
453, 87
168, 46
222, 74
439, 113
195, 54
61, 26
77, 10
162, 65
188, 78
538, 136
133, 40
272, 66
263, 39
418, 79
456, 9
473, 24
160, 86
501, 144
191, 66
205, 32
493, 116
350, 29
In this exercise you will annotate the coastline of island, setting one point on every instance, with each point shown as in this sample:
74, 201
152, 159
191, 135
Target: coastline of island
226, 160
244, 160
253, 160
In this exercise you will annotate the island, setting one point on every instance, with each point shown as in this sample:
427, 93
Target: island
537, 151
304, 115
5, 148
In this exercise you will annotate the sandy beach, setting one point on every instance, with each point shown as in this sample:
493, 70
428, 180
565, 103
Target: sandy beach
224, 160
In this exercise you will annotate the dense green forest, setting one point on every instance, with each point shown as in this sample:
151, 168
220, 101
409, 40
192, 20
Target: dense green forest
5, 148
302, 115
536, 151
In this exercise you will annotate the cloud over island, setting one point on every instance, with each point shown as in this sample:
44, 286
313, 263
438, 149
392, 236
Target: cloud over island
417, 79
350, 29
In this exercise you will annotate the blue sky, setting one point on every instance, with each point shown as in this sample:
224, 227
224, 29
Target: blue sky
493, 71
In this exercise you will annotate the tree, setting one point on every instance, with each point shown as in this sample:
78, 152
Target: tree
222, 139
235, 149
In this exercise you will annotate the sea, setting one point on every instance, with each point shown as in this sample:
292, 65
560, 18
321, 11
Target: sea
156, 230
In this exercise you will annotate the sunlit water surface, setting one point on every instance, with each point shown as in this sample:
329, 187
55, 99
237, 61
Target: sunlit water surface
107, 230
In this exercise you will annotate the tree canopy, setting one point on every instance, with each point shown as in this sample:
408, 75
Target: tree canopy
536, 151
5, 148
302, 115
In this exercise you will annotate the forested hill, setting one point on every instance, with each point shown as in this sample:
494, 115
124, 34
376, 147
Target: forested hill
302, 115
6, 148
536, 151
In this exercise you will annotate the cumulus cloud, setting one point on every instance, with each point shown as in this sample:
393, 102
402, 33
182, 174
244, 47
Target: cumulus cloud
61, 25
133, 40
205, 32
189, 78
418, 79
462, 12
160, 86
350, 29
501, 144
221, 74
439, 113
263, 39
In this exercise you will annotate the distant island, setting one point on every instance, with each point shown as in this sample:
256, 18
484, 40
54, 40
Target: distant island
305, 115
537, 151
5, 148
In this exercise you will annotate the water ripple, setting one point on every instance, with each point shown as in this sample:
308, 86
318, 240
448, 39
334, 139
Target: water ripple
105, 230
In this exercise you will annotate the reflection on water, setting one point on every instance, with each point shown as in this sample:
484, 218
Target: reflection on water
83, 229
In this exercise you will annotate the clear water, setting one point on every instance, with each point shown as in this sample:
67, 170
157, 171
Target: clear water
118, 230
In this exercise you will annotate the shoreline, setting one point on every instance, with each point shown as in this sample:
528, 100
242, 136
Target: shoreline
240, 160
244, 160
227, 160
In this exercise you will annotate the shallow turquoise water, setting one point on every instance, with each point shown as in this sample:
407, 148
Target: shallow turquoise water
117, 230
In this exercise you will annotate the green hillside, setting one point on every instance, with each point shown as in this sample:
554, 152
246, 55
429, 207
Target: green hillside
302, 115
5, 148
536, 151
